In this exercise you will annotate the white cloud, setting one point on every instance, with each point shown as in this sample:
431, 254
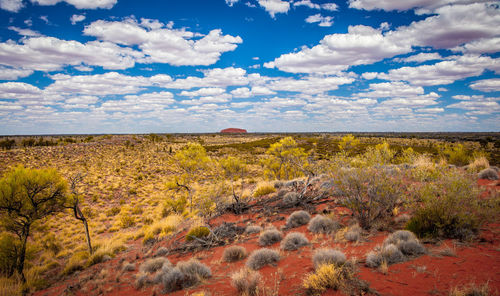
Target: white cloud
421, 57
337, 52
369, 75
245, 92
307, 3
24, 32
442, 89
50, 54
430, 110
309, 84
486, 45
75, 18
7, 73
324, 21
477, 107
453, 25
391, 89
445, 72
80, 4
486, 85
208, 91
274, 6
20, 91
11, 5
110, 83
214, 78
426, 6
231, 2
162, 44
330, 6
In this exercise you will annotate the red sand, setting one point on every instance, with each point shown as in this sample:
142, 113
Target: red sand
432, 274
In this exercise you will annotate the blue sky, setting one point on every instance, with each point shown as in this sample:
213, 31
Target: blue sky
125, 66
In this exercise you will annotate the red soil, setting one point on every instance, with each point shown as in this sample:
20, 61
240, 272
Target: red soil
477, 262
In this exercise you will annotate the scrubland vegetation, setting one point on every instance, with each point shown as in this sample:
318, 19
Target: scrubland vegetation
69, 203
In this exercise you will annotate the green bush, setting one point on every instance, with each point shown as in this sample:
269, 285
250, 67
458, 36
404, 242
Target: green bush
450, 209
199, 231
456, 154
8, 254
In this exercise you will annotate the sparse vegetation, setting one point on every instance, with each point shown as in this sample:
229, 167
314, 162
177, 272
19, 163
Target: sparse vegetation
298, 218
322, 224
294, 241
261, 258
234, 253
246, 282
328, 256
269, 237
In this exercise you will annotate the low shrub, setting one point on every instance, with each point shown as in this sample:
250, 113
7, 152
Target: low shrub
234, 253
261, 258
253, 229
194, 271
141, 280
328, 256
199, 232
173, 280
128, 266
391, 254
488, 174
9, 247
294, 241
297, 218
264, 189
330, 276
269, 237
246, 281
371, 194
353, 233
291, 198
322, 224
471, 290
406, 242
162, 251
478, 163
450, 209
154, 264
373, 259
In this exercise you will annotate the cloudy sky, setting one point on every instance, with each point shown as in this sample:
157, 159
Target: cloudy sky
128, 66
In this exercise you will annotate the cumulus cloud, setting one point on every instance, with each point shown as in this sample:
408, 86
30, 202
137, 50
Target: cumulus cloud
110, 83
486, 45
24, 32
162, 44
486, 85
337, 52
425, 6
80, 4
231, 2
309, 84
323, 21
421, 57
245, 92
7, 73
20, 91
274, 6
50, 54
216, 77
75, 18
391, 89
445, 72
208, 91
477, 107
453, 25
11, 5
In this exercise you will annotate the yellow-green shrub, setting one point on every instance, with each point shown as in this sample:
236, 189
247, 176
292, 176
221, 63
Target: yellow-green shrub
198, 231
263, 189
328, 276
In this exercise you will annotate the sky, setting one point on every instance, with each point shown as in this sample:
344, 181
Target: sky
127, 66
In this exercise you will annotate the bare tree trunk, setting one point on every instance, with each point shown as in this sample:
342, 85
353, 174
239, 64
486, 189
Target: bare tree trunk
22, 253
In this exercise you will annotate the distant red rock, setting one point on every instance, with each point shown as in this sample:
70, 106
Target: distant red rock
233, 131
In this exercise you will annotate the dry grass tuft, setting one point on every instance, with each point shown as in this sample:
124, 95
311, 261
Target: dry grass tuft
246, 282
234, 253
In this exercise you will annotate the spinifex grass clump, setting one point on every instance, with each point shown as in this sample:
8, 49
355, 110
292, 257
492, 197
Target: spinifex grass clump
297, 218
328, 256
234, 253
261, 258
294, 241
269, 237
246, 281
322, 224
